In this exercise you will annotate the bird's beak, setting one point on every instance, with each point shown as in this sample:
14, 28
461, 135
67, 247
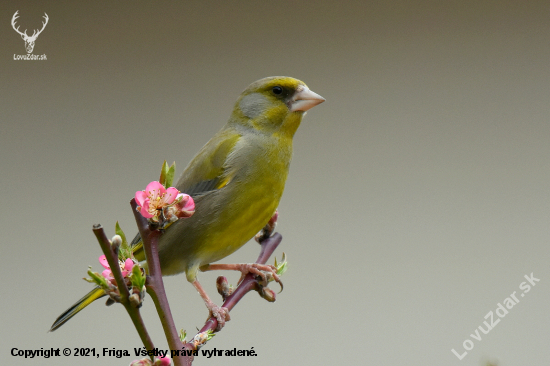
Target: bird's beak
305, 99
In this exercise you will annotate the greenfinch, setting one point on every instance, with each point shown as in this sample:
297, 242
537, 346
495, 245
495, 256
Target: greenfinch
236, 180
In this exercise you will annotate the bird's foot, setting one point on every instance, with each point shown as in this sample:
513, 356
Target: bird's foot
266, 272
220, 313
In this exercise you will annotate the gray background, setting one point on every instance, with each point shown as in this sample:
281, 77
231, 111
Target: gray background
417, 198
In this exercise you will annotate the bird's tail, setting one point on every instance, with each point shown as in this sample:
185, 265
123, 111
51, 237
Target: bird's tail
90, 297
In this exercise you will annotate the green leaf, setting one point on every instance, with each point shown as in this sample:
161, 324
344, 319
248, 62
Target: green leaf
124, 251
119, 231
170, 175
163, 172
183, 335
98, 279
209, 334
137, 278
281, 267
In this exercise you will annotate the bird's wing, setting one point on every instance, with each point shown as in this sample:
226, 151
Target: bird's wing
206, 173
208, 170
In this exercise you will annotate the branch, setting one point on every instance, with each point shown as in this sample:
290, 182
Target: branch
249, 283
155, 285
112, 257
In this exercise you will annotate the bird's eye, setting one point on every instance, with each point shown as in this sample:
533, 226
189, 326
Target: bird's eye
277, 90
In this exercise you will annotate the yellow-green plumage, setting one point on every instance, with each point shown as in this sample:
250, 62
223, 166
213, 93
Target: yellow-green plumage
236, 180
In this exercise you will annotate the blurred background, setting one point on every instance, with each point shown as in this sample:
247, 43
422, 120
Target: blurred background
417, 199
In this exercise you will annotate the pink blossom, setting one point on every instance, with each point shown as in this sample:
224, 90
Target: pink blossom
163, 361
142, 362
159, 361
125, 267
155, 198
183, 207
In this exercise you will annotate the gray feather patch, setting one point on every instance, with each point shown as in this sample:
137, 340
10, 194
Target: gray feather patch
252, 105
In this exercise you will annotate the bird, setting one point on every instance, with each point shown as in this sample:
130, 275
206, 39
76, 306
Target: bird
236, 180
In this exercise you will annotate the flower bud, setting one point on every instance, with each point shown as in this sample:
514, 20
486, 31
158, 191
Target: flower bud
273, 220
201, 338
268, 294
268, 229
223, 287
142, 362
116, 242
135, 300
163, 361
185, 206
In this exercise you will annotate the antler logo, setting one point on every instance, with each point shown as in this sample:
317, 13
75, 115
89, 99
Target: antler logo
29, 41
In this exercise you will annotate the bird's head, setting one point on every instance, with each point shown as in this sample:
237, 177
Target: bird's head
274, 105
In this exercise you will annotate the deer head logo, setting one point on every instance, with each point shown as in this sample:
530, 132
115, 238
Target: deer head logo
29, 41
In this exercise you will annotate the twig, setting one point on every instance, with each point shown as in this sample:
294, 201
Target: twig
112, 258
